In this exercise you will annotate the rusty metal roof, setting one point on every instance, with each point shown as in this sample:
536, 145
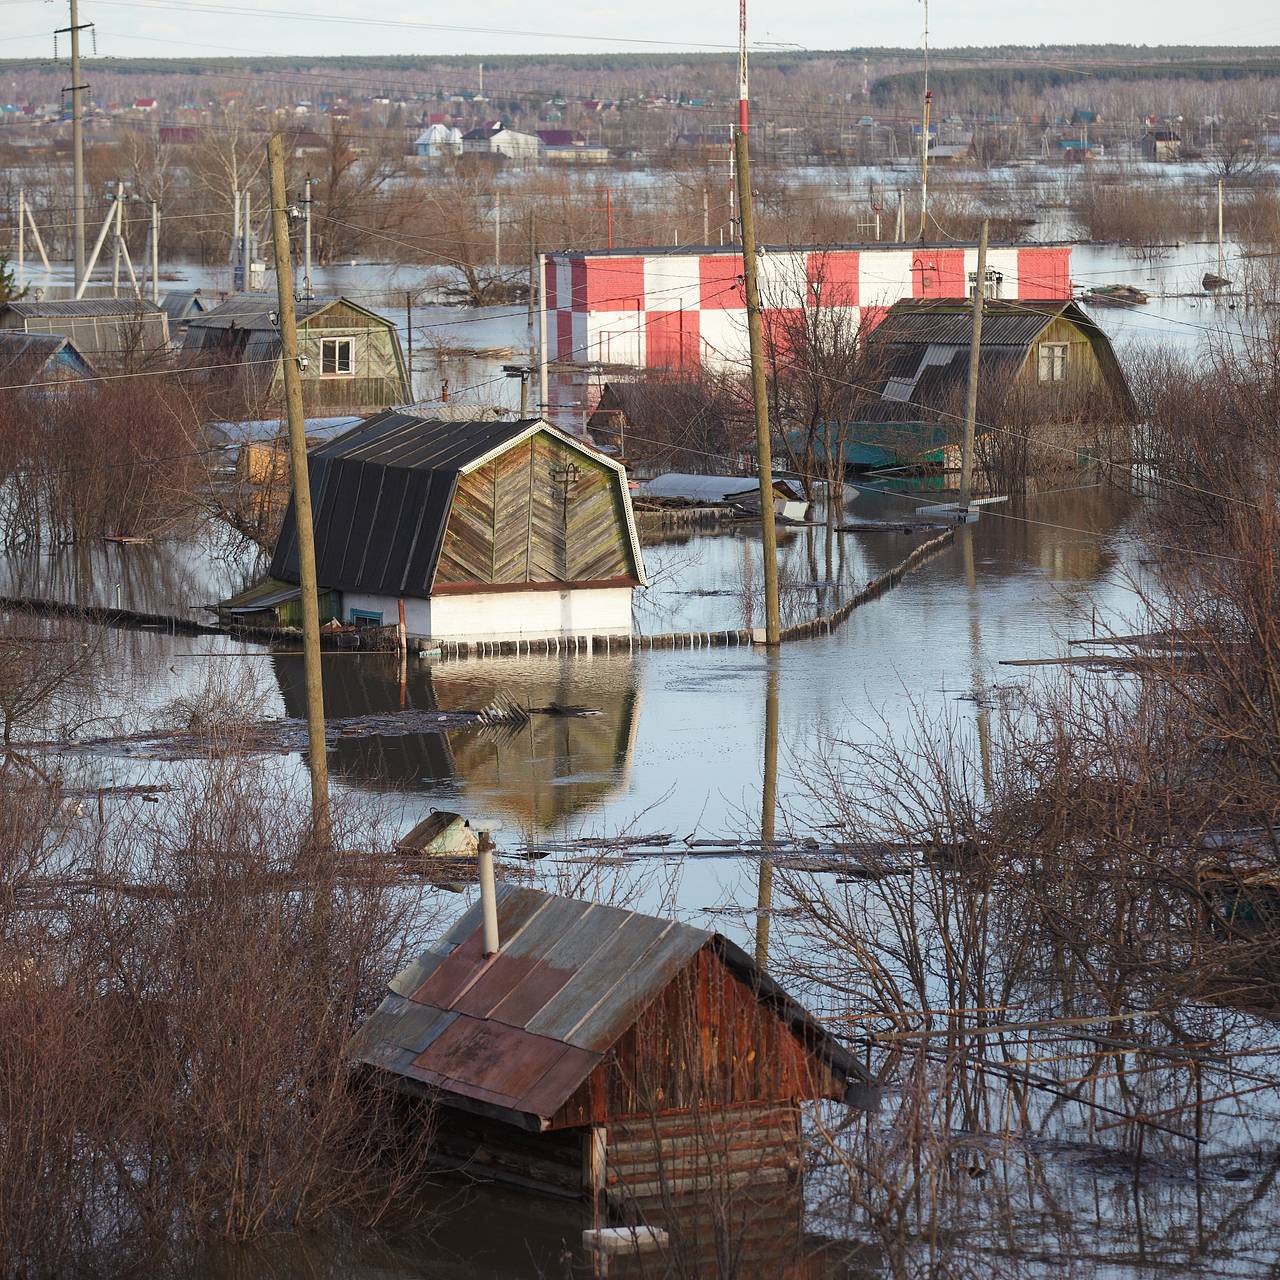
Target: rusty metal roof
518, 1032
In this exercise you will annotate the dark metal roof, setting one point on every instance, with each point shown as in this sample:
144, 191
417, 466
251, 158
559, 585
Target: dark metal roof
255, 311
130, 307
17, 347
381, 495
181, 304
920, 352
518, 1032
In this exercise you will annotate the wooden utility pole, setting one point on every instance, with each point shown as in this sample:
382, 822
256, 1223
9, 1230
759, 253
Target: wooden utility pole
975, 355
755, 333
301, 499
77, 140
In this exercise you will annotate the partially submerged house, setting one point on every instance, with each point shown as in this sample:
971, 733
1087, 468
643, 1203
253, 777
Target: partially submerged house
257, 450
603, 1054
40, 363
351, 356
1048, 351
102, 330
483, 529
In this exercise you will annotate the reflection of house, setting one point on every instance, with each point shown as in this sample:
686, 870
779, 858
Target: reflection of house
101, 329
1162, 145
352, 356
604, 1054
555, 767
47, 360
919, 355
482, 529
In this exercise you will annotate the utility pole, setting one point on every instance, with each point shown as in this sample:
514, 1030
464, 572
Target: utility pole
115, 262
301, 499
22, 241
497, 232
924, 134
246, 251
155, 253
77, 89
408, 334
306, 243
975, 352
544, 407
533, 271
759, 391
706, 217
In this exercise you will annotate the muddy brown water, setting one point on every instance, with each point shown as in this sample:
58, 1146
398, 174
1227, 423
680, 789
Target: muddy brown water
678, 748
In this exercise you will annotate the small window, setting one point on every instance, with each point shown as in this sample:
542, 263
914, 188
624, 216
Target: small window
337, 358
364, 618
1053, 362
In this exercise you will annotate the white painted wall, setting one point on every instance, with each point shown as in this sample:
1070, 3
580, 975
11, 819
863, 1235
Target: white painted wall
505, 615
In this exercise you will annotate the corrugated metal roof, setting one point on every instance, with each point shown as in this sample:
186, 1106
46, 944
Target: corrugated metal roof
521, 1030
696, 488
17, 347
129, 307
254, 311
180, 304
381, 495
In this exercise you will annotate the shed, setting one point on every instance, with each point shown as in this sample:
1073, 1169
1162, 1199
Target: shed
919, 357
101, 329
597, 1049
484, 529
353, 359
47, 360
182, 306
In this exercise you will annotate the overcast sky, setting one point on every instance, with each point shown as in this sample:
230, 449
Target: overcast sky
222, 27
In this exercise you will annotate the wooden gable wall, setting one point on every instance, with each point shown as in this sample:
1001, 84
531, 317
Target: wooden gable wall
510, 522
707, 1042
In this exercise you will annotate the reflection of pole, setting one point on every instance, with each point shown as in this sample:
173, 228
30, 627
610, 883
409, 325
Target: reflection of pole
768, 807
965, 534
301, 496
759, 391
1222, 264
975, 353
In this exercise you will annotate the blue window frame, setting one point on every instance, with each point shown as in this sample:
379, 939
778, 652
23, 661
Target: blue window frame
364, 618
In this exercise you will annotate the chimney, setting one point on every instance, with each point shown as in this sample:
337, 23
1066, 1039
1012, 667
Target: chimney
488, 889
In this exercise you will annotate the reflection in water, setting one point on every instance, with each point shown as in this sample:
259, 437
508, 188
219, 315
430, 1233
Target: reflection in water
768, 813
537, 774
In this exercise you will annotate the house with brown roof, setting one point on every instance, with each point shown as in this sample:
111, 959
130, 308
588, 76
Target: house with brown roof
601, 1053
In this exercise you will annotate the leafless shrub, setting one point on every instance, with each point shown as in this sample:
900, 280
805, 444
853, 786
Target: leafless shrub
176, 1000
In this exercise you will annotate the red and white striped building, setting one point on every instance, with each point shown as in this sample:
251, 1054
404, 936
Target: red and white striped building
683, 308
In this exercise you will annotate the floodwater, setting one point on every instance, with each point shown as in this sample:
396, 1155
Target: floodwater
679, 748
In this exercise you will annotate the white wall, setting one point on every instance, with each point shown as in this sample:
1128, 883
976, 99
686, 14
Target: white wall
505, 615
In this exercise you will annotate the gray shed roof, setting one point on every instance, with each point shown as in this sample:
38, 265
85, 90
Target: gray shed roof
516, 1034
254, 311
60, 308
182, 304
381, 495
